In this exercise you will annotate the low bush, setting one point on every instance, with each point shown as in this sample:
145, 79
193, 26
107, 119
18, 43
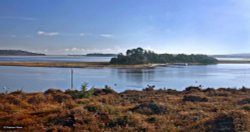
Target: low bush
244, 101
67, 120
149, 109
192, 98
149, 88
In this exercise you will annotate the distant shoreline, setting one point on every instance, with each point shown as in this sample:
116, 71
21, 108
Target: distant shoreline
19, 53
234, 62
75, 64
101, 64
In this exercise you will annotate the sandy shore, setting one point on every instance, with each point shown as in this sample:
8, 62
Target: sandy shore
97, 64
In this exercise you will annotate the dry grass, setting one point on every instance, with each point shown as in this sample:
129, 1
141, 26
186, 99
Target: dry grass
150, 110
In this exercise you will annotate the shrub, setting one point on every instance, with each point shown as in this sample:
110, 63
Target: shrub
75, 94
121, 121
221, 123
108, 90
52, 91
91, 108
67, 120
84, 87
84, 93
192, 98
152, 120
37, 99
193, 88
149, 109
17, 92
149, 88
244, 101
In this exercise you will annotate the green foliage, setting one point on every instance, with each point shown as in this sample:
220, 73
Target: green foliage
141, 56
86, 93
108, 90
84, 87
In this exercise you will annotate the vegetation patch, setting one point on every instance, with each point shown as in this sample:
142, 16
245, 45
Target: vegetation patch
244, 101
92, 109
193, 98
221, 123
67, 120
149, 109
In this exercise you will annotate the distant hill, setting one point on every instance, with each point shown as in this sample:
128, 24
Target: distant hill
101, 54
244, 55
18, 53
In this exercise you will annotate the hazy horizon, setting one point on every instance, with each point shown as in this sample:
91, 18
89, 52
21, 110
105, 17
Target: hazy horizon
111, 26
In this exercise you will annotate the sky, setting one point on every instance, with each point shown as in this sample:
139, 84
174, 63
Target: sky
113, 26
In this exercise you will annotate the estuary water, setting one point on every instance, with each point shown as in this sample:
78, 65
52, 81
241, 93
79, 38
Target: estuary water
54, 58
34, 79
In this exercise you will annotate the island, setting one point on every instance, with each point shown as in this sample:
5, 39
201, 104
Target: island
134, 58
18, 53
141, 56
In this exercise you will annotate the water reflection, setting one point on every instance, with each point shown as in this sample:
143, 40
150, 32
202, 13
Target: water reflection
137, 76
39, 79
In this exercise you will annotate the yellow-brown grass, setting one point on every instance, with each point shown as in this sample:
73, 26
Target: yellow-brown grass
155, 110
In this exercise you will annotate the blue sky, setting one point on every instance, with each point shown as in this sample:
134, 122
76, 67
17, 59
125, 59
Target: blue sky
112, 26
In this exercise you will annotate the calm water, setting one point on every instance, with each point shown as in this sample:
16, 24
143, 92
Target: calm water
53, 58
32, 79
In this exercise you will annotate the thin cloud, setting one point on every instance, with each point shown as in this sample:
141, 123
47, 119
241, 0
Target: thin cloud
42, 33
18, 18
13, 36
76, 50
27, 36
82, 34
85, 34
107, 35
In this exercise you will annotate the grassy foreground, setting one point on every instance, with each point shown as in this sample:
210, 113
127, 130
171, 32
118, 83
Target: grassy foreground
148, 110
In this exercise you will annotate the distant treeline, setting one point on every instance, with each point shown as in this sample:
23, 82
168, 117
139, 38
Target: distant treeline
18, 53
141, 56
101, 54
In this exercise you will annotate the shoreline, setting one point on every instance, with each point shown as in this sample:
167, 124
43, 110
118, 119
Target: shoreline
76, 65
102, 64
234, 62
